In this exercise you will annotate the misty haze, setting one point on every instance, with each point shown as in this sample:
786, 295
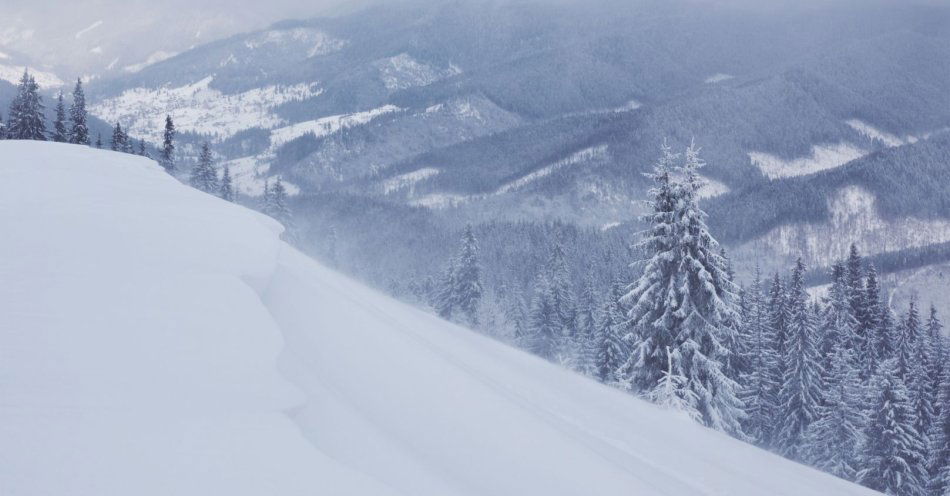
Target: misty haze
474, 247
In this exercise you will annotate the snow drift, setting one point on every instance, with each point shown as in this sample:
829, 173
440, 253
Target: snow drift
157, 340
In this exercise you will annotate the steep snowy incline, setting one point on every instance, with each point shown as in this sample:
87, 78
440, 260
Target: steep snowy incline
135, 354
155, 340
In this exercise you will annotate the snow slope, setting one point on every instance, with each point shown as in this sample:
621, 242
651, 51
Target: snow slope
155, 340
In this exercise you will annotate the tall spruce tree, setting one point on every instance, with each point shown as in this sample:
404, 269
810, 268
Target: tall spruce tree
833, 438
682, 308
801, 385
543, 337
227, 189
610, 349
167, 155
26, 119
99, 141
562, 302
119, 139
60, 133
761, 380
203, 175
586, 328
894, 455
467, 280
78, 128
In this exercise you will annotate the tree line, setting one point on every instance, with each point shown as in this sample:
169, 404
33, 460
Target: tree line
839, 382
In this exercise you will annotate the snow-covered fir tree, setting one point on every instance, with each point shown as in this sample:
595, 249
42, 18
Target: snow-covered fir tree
78, 126
873, 331
939, 462
543, 332
227, 189
563, 305
586, 320
166, 157
610, 350
761, 380
60, 132
833, 438
893, 458
801, 384
682, 308
119, 140
26, 119
467, 278
99, 141
203, 175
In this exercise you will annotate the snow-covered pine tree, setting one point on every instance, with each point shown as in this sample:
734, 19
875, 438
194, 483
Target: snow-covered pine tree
227, 190
761, 380
117, 144
543, 327
203, 175
562, 301
586, 328
683, 304
872, 333
939, 462
444, 303
893, 455
837, 324
78, 128
167, 155
833, 438
60, 133
26, 119
914, 365
672, 391
938, 351
801, 385
280, 208
610, 348
778, 316
516, 317
467, 279
3, 129
855, 282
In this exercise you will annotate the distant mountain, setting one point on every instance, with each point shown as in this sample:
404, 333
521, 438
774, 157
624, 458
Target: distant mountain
527, 110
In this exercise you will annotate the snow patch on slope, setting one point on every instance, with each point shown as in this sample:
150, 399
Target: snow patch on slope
327, 125
88, 29
154, 58
718, 78
822, 157
402, 71
585, 155
408, 180
876, 134
199, 108
320, 43
854, 219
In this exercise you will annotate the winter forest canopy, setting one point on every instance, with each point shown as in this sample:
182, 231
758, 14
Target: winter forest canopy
725, 291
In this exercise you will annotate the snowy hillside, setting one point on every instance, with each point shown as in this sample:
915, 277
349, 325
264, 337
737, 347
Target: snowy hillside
157, 340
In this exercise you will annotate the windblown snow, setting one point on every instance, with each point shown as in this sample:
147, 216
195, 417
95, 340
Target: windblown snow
822, 157
156, 340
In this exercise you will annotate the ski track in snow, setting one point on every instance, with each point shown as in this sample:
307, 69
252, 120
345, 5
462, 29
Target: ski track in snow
121, 339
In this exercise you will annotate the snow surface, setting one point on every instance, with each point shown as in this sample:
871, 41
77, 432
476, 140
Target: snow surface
320, 43
408, 180
876, 134
822, 157
156, 340
326, 125
154, 58
83, 31
585, 155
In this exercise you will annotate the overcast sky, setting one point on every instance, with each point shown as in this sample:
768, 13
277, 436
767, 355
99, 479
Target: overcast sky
88, 35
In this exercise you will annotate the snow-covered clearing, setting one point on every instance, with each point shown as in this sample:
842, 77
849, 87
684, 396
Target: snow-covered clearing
876, 134
403, 71
92, 26
154, 58
408, 180
822, 157
156, 340
718, 78
319, 42
199, 108
854, 219
585, 155
326, 125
